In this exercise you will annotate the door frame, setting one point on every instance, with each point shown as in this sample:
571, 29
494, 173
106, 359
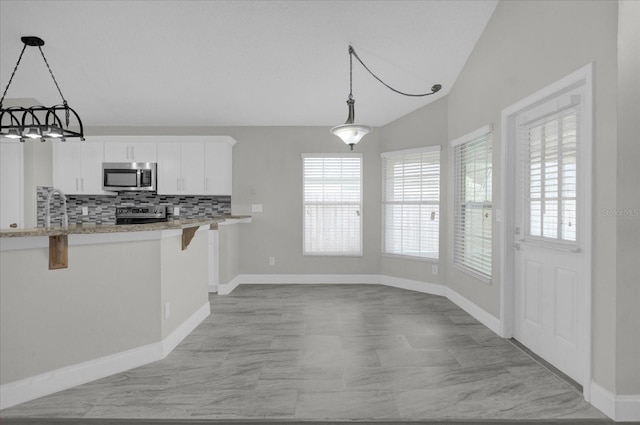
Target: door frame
583, 75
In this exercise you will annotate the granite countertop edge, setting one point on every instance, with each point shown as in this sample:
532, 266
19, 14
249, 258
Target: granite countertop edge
77, 229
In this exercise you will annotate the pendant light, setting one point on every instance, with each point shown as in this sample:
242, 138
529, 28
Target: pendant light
38, 122
350, 132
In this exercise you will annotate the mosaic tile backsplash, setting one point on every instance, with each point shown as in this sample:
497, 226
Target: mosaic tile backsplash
102, 208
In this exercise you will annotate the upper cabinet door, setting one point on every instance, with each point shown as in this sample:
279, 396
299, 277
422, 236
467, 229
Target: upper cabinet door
130, 149
92, 156
143, 152
77, 167
66, 166
169, 168
192, 168
218, 163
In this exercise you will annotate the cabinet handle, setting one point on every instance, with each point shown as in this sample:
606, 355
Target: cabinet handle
184, 186
77, 188
206, 184
82, 184
133, 153
127, 147
178, 184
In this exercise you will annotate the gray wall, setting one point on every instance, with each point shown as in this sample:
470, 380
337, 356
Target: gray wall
526, 46
268, 171
628, 201
425, 127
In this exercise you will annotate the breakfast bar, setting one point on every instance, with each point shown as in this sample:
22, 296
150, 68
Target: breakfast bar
128, 296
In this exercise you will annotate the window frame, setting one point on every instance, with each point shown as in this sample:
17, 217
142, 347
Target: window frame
457, 144
402, 153
355, 254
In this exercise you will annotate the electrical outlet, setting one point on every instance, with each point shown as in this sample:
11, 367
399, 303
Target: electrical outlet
85, 210
256, 207
434, 269
272, 261
167, 310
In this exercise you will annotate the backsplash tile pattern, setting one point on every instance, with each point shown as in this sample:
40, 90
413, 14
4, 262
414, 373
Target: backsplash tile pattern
102, 208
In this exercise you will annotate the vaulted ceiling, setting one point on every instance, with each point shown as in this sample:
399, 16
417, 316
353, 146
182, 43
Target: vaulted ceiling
236, 63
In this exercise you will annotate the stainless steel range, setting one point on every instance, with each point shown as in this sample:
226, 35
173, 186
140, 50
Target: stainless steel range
140, 214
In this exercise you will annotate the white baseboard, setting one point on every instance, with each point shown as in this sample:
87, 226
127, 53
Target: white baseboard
621, 408
480, 314
227, 288
185, 328
64, 378
414, 285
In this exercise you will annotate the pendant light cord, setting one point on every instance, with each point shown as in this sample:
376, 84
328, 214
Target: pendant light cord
64, 101
52, 76
12, 74
352, 52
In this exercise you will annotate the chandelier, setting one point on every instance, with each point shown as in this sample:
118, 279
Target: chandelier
350, 132
38, 122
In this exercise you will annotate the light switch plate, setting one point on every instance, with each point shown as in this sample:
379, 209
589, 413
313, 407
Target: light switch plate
256, 207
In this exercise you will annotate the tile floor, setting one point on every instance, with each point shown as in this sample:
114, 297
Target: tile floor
328, 352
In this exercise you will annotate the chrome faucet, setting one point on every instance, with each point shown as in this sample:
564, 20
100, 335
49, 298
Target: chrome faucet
47, 209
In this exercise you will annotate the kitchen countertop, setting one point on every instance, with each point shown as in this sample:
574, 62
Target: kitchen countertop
74, 229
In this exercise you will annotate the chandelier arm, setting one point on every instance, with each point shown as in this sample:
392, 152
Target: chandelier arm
434, 89
53, 77
12, 74
29, 113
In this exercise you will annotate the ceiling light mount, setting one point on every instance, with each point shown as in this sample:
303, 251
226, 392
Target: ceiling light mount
350, 132
38, 122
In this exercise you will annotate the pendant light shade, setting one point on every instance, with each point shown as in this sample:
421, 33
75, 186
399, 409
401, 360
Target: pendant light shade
350, 132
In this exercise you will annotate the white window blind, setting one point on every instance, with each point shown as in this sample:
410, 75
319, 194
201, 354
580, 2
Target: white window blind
551, 186
411, 202
473, 203
332, 204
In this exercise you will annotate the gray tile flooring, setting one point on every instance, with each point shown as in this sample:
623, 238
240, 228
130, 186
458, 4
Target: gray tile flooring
328, 352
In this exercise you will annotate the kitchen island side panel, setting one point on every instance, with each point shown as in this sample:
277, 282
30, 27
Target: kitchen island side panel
106, 302
185, 279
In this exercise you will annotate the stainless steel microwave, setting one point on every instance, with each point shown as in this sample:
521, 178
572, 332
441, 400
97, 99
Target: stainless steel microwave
129, 176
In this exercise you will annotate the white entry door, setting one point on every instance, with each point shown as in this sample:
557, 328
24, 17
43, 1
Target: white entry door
551, 266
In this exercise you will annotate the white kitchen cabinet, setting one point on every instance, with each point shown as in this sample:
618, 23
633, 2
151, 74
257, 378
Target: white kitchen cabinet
192, 168
77, 167
11, 184
218, 166
181, 168
130, 149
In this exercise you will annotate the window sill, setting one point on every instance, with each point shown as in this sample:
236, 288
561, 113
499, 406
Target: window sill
411, 258
473, 273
